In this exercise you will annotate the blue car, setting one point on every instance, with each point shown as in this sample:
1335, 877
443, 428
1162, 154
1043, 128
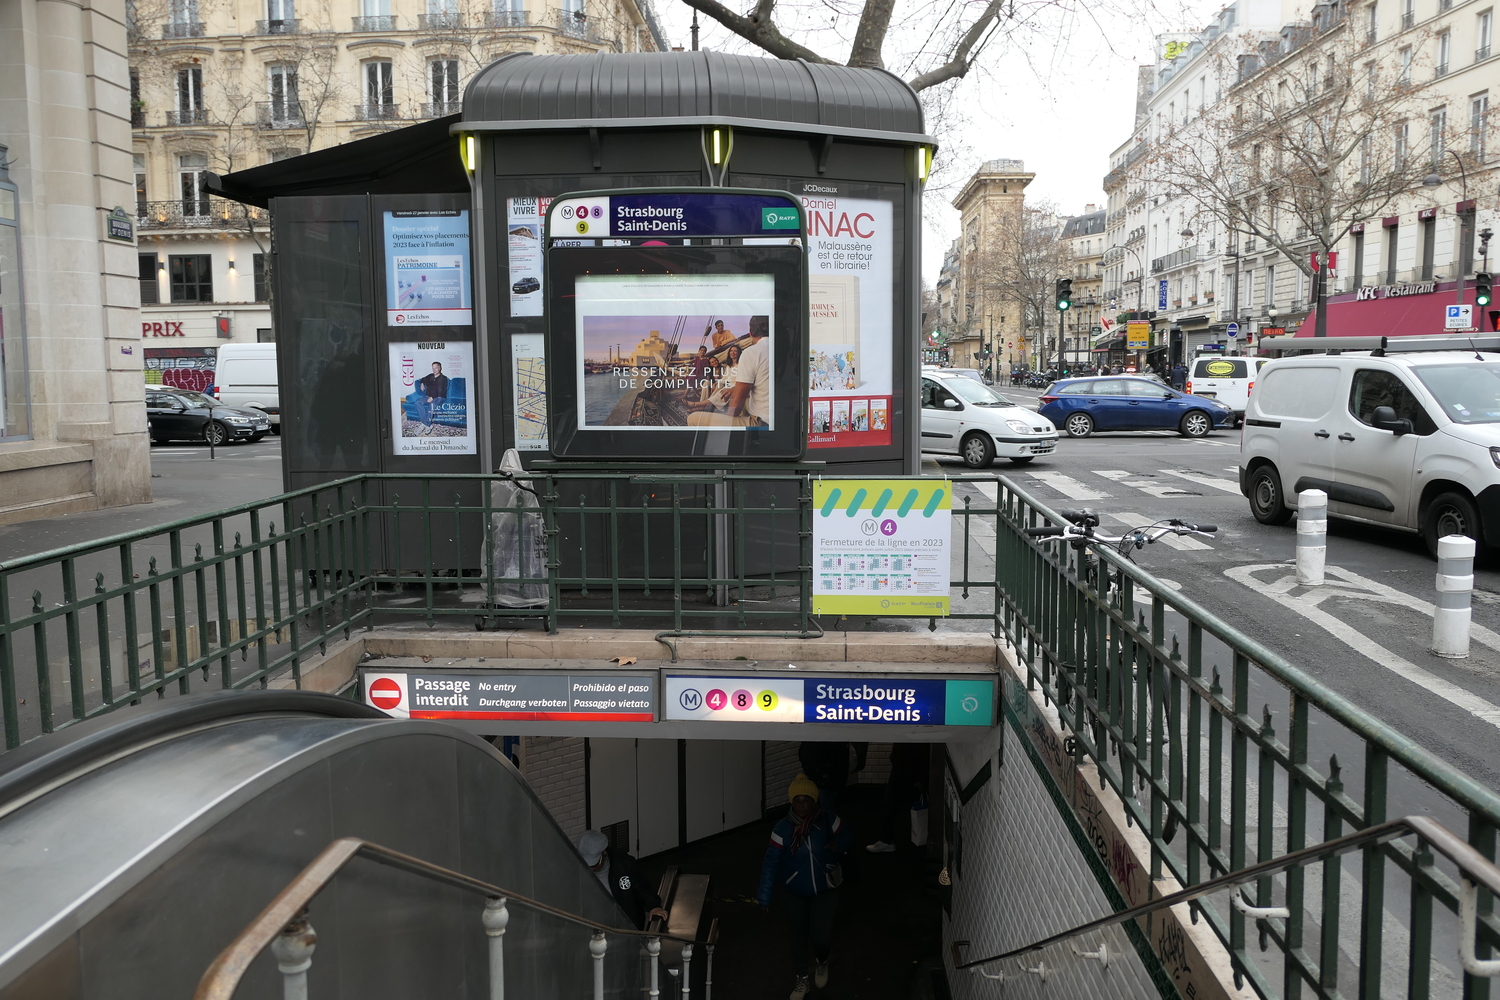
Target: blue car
1082, 406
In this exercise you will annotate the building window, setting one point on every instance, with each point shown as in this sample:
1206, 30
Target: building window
265, 335
442, 88
277, 155
1479, 123
1359, 259
1403, 139
284, 109
380, 91
1484, 27
137, 106
1371, 24
1406, 65
189, 109
150, 286
192, 171
1408, 13
281, 17
1436, 130
1366, 158
1391, 235
1429, 245
191, 277
182, 20
15, 389
1445, 50
262, 277
139, 162
1270, 284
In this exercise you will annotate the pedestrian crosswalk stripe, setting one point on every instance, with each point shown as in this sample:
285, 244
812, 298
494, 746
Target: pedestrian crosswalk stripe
1155, 489
1204, 479
1069, 487
1184, 543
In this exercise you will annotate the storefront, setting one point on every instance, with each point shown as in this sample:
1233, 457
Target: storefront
1400, 310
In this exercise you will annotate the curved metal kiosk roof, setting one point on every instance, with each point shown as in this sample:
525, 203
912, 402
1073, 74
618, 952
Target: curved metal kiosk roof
523, 91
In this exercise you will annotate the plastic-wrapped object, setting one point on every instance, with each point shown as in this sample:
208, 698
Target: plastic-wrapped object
518, 544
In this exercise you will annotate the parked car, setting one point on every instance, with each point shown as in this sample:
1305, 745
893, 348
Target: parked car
1129, 403
526, 286
1229, 380
183, 415
965, 417
1410, 441
245, 376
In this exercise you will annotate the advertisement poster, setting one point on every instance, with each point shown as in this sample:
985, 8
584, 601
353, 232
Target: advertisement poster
882, 700
524, 218
430, 412
880, 547
850, 335
528, 373
675, 352
513, 697
427, 268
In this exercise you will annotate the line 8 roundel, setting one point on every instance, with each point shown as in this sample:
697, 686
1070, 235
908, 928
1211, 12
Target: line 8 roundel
733, 699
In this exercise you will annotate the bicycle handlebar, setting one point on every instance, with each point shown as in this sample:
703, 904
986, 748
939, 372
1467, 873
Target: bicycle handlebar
1047, 531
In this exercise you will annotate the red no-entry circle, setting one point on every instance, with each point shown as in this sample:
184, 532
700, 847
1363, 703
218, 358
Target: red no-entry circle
385, 693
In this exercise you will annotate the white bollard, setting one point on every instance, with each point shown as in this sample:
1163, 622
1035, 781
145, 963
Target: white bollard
1455, 587
1312, 537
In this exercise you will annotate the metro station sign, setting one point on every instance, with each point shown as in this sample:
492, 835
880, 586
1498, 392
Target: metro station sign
899, 701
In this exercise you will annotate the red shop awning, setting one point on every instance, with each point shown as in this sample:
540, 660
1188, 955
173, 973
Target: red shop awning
1390, 315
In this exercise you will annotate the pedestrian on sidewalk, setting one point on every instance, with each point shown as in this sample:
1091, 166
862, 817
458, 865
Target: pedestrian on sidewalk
621, 878
803, 857
906, 786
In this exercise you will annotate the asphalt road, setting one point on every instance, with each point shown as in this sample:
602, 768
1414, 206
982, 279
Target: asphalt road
1365, 635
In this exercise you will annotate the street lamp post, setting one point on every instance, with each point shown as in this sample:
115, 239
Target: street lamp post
1464, 218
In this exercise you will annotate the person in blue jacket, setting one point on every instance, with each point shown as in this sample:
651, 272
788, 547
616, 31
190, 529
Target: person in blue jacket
803, 857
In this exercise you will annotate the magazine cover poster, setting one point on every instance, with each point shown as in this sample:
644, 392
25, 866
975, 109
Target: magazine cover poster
676, 352
430, 388
427, 268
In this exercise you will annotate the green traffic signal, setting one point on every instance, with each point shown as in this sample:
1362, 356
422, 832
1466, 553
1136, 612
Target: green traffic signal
1064, 294
1482, 293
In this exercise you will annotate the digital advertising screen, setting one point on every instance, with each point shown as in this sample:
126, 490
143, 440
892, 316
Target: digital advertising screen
674, 351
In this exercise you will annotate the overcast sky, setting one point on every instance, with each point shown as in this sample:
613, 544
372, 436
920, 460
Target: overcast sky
1060, 99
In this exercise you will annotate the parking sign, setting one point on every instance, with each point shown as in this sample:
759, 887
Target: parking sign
1458, 317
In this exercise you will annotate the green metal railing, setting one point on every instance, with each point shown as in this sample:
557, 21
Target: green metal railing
1175, 709
1210, 740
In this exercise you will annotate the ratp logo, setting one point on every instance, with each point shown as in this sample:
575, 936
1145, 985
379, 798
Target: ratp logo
877, 498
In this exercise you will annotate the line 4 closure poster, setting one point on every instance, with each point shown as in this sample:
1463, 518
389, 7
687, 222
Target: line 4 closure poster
427, 268
880, 546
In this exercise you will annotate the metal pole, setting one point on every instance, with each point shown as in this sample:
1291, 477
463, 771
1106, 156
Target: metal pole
1455, 587
597, 947
708, 982
1312, 537
496, 916
293, 949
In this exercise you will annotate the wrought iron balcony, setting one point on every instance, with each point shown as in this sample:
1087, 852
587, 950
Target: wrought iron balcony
505, 19
280, 26
575, 24
183, 29
137, 117
279, 114
376, 22
1175, 260
197, 213
449, 21
196, 116
438, 109
376, 112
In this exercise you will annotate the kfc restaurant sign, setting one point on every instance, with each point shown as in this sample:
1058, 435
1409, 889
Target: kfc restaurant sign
1397, 310
1391, 291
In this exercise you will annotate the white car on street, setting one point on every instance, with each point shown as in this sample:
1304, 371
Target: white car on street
967, 418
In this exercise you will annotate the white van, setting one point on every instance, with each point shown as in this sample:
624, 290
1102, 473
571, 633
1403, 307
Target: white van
1397, 437
245, 375
1229, 380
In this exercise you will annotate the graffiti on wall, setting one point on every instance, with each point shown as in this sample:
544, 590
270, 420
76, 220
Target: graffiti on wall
180, 367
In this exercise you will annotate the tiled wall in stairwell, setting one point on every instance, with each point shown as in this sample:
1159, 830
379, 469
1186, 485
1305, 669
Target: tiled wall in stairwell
1024, 877
553, 766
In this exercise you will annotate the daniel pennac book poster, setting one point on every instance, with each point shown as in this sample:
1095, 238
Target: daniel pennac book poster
430, 387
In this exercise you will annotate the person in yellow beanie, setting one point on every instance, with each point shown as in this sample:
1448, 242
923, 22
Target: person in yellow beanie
803, 856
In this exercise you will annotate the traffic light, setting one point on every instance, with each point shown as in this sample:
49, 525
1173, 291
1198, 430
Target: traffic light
1482, 283
1065, 294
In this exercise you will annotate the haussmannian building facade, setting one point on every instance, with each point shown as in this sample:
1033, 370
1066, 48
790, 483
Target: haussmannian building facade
222, 85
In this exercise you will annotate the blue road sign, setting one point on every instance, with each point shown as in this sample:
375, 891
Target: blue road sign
1233, 329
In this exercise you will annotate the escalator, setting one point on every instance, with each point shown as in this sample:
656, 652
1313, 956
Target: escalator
136, 847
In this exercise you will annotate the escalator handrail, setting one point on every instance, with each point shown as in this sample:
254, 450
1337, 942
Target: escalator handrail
1471, 863
223, 976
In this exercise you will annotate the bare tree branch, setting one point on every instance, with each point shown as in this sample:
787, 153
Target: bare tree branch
759, 28
964, 54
